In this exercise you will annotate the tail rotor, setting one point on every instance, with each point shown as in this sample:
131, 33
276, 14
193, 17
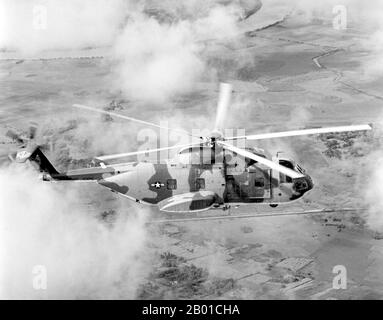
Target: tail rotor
25, 141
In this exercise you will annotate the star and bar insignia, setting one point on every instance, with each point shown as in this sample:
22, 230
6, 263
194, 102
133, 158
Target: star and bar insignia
157, 184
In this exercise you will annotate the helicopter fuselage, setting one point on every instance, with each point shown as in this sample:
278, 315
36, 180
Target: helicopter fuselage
233, 182
195, 180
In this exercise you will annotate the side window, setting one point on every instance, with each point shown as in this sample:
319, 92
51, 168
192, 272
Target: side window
200, 183
171, 184
282, 177
259, 182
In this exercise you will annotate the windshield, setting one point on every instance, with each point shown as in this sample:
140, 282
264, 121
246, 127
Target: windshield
300, 169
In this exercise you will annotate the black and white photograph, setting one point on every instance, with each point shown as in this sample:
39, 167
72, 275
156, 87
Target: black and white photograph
193, 150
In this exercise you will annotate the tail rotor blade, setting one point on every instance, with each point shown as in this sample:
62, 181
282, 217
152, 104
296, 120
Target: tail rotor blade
225, 90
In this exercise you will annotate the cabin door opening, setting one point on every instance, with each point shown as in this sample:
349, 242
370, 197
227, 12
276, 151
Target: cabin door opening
259, 184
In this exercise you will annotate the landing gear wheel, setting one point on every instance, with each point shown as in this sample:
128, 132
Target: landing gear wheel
273, 205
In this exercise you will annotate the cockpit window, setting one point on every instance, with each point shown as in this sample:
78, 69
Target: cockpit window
286, 164
250, 162
259, 182
200, 183
282, 177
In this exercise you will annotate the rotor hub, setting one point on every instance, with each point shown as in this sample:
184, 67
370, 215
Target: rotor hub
215, 136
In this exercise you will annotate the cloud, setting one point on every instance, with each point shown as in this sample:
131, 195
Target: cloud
156, 60
34, 26
370, 177
374, 194
159, 60
45, 224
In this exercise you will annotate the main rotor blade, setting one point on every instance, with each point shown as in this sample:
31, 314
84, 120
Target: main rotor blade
225, 90
117, 115
363, 127
272, 165
123, 155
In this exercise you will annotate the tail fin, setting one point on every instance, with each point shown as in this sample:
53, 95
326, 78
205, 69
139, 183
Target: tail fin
36, 155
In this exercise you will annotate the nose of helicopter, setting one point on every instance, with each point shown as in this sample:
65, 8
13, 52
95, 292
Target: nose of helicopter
310, 183
303, 185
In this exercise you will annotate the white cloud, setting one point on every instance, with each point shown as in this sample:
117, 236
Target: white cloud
43, 223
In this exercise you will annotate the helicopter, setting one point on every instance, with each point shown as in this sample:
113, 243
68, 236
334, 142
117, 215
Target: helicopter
225, 174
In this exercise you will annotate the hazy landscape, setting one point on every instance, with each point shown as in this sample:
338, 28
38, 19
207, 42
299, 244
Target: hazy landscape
290, 69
